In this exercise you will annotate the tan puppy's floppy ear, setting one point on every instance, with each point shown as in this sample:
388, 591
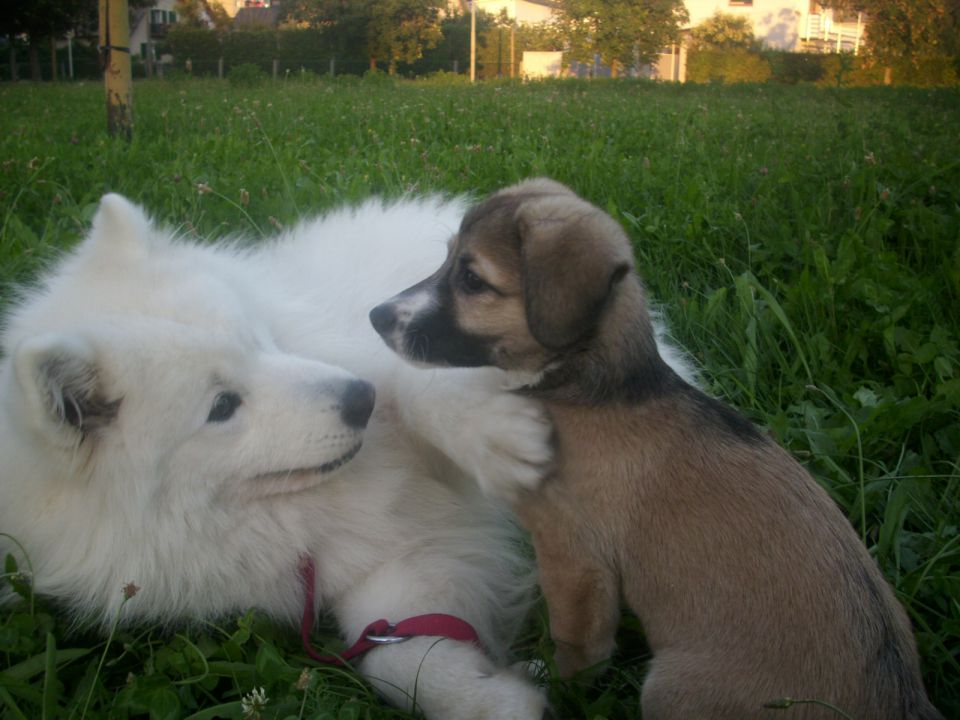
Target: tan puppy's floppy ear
573, 254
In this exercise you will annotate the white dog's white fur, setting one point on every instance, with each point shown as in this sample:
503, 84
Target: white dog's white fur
114, 473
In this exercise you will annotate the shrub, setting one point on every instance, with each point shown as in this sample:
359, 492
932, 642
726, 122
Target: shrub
824, 70
303, 74
847, 70
247, 75
792, 68
723, 31
378, 77
442, 77
927, 72
727, 66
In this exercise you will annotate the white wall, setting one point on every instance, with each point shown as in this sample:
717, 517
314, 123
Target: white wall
527, 12
521, 11
776, 22
541, 64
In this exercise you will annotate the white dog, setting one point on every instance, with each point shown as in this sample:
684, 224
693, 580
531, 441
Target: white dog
189, 418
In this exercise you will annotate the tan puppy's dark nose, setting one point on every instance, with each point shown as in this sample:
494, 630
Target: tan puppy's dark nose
384, 318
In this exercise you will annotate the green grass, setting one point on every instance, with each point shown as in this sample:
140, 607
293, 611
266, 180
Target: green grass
804, 244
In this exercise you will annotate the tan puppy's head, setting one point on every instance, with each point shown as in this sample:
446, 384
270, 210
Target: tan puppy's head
526, 278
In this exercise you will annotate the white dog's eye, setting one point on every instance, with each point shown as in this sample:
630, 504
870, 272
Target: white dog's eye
471, 282
224, 406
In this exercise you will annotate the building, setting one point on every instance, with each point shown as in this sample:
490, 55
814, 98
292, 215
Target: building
789, 25
232, 7
522, 11
149, 26
792, 25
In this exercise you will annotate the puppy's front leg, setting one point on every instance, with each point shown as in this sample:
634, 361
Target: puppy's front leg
501, 439
583, 598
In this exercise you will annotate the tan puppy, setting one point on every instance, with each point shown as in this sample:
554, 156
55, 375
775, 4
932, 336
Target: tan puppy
750, 583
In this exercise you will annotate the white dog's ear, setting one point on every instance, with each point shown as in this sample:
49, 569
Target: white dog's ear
120, 227
573, 254
61, 384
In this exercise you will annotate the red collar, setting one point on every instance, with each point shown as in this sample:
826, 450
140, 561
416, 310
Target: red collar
380, 632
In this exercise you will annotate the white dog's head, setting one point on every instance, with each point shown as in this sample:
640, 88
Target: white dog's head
145, 409
155, 406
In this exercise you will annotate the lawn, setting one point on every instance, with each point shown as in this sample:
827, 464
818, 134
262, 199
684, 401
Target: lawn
804, 244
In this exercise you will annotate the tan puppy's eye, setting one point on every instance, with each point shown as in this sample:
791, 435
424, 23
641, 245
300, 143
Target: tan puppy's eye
470, 282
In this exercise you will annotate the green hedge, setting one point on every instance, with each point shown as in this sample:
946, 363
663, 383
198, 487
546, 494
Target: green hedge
295, 49
311, 49
255, 47
736, 66
202, 47
728, 66
307, 48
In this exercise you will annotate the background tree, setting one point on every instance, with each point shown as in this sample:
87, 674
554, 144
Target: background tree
400, 30
47, 21
391, 30
453, 48
201, 14
623, 33
344, 22
10, 29
723, 31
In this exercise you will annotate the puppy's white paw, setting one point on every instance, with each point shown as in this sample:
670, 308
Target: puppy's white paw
507, 445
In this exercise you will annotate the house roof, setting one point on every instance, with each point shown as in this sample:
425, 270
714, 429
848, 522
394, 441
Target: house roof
254, 17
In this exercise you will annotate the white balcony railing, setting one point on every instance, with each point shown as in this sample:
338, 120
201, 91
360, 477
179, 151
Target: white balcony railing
837, 36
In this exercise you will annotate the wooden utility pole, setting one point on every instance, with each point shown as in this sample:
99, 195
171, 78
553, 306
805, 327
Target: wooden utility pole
473, 41
115, 60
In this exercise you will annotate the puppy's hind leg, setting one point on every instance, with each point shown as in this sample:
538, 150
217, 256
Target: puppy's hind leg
682, 685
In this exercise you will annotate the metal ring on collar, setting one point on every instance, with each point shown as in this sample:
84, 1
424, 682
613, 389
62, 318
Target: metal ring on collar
388, 639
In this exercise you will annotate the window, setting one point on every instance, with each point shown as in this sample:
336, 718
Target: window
162, 17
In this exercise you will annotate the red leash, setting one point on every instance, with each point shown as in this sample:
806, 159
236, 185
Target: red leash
380, 632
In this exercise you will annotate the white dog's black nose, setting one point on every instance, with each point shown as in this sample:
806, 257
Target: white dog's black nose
383, 318
357, 403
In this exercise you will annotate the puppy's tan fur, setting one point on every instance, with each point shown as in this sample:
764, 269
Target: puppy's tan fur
750, 583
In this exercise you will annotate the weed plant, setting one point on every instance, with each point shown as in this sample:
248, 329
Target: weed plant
803, 244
